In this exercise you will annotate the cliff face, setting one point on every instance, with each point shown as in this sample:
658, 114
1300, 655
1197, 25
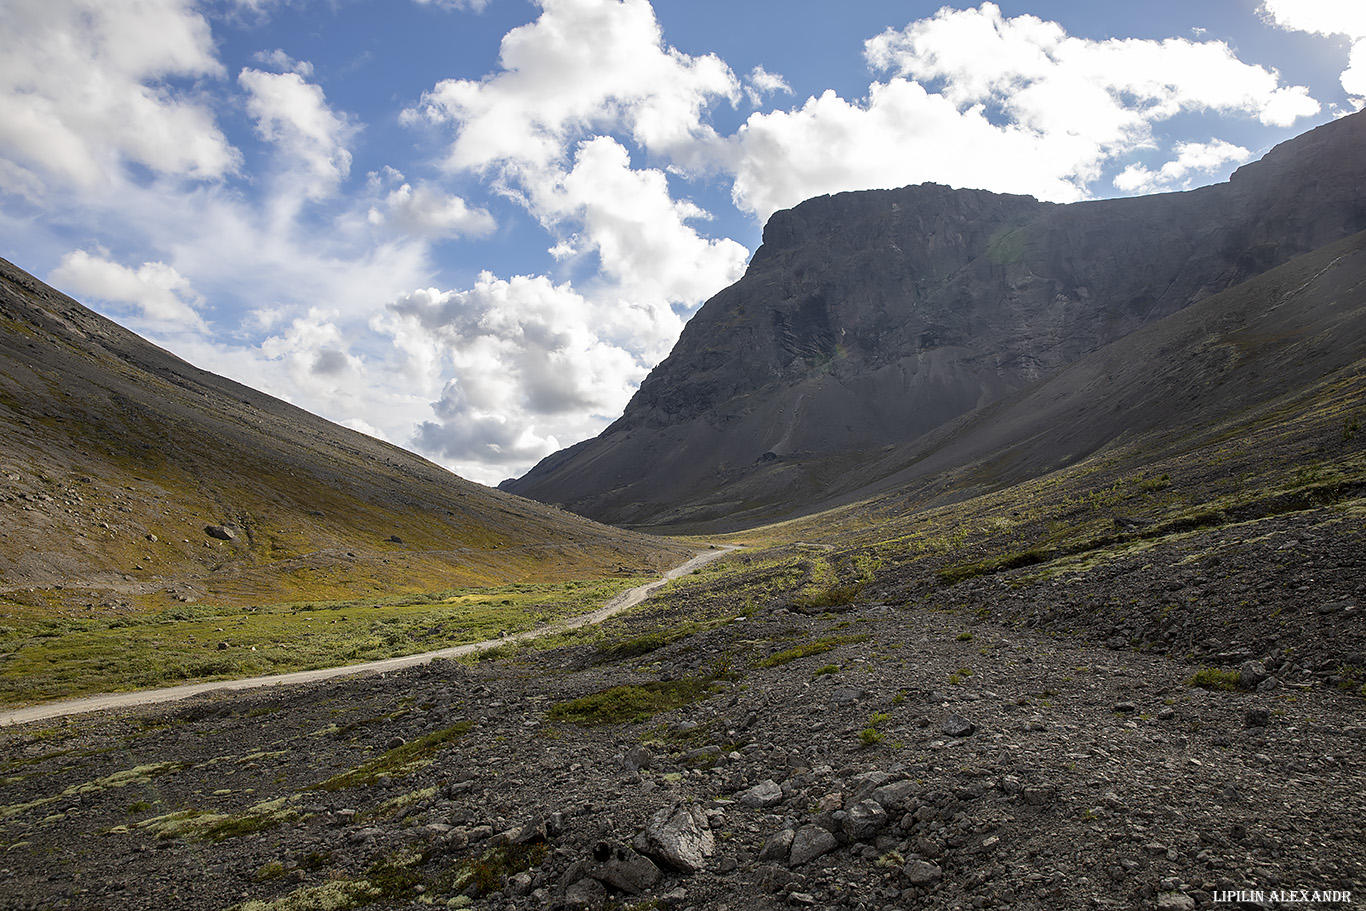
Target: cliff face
866, 320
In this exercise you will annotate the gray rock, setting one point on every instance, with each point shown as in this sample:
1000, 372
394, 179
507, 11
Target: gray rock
1175, 901
520, 883
847, 695
221, 532
777, 847
898, 796
679, 836
616, 865
1251, 674
864, 820
928, 847
810, 842
585, 894
767, 793
638, 757
923, 873
957, 726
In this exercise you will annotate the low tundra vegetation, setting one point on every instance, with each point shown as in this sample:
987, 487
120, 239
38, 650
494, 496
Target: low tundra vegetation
60, 658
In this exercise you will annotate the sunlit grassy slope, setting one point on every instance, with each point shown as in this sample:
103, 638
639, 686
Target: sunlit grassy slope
117, 459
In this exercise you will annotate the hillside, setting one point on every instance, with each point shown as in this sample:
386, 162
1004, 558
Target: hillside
134, 481
868, 320
1098, 644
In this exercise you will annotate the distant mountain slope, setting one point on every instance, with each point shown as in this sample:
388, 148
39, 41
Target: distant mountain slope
116, 456
1262, 377
867, 320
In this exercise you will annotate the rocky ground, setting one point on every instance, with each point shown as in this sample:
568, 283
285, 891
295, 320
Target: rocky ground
905, 752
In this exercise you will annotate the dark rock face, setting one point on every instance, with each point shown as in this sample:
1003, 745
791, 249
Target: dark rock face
866, 320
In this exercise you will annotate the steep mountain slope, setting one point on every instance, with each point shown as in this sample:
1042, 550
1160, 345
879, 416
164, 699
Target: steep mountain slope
117, 459
866, 320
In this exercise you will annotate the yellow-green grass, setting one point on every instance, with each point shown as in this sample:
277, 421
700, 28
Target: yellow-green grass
57, 658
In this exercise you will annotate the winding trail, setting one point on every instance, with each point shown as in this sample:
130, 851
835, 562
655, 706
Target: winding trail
627, 599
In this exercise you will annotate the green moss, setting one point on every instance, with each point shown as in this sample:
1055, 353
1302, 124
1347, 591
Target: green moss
633, 702
1213, 678
337, 895
401, 760
806, 649
488, 872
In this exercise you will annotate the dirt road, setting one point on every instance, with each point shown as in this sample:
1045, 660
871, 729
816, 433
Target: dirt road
629, 598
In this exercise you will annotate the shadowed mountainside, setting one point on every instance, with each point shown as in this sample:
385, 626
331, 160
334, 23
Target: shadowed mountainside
867, 320
117, 457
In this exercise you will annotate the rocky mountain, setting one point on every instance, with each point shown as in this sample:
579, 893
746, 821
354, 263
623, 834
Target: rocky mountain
868, 320
131, 479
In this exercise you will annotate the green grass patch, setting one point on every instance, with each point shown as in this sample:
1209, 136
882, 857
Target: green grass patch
636, 646
633, 702
806, 649
960, 572
60, 658
1213, 678
490, 870
400, 761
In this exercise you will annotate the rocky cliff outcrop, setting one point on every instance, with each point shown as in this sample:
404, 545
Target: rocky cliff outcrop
866, 320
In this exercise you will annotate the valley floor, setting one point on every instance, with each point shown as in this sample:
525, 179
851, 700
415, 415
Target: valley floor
913, 757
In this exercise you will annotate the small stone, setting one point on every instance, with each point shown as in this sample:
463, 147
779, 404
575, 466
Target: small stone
221, 532
777, 847
810, 842
767, 793
864, 820
801, 898
847, 695
520, 884
1251, 674
680, 836
923, 873
897, 796
638, 757
928, 847
586, 893
616, 865
957, 726
1175, 901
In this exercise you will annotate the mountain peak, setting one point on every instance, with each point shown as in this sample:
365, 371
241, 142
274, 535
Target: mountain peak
868, 319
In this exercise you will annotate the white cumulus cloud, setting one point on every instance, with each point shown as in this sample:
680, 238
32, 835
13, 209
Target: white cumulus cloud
294, 115
522, 365
583, 66
1328, 17
760, 83
425, 210
85, 90
977, 99
163, 298
1192, 158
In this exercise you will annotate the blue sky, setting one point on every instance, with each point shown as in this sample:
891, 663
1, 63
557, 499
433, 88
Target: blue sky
471, 227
